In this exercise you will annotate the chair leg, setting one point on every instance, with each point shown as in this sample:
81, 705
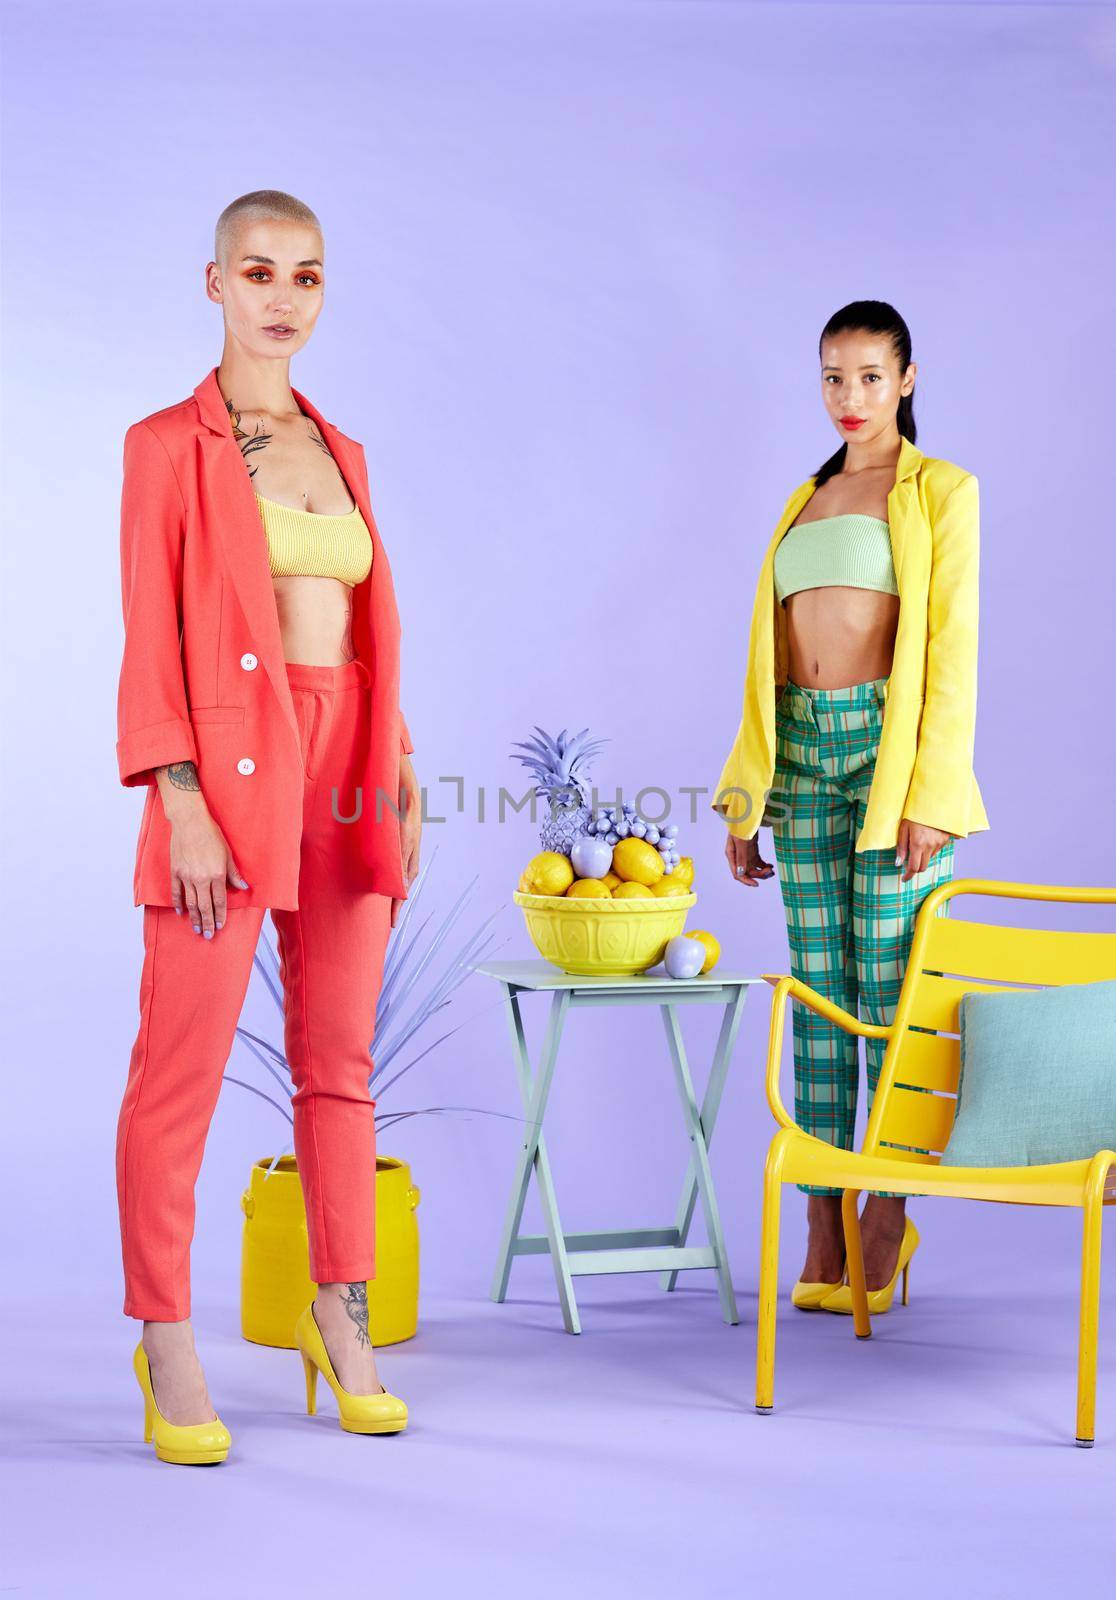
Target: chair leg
1090, 1317
854, 1256
768, 1283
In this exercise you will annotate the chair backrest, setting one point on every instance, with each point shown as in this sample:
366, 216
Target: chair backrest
912, 1113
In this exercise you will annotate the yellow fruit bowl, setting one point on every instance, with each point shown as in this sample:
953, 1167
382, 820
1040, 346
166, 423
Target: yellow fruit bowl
603, 938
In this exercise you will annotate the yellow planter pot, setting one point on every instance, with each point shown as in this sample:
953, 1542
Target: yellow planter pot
275, 1282
595, 938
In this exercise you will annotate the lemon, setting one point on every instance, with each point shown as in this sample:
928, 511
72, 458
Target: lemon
588, 889
685, 870
632, 891
637, 861
611, 881
712, 947
670, 883
548, 873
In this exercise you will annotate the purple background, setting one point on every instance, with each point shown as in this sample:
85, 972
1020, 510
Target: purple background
578, 259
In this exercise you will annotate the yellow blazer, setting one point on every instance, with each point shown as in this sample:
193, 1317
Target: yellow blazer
924, 767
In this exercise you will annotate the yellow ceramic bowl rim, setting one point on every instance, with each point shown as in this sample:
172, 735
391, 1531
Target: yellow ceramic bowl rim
636, 902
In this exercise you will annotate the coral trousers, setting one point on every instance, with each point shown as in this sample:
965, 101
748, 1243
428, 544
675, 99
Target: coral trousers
850, 917
192, 989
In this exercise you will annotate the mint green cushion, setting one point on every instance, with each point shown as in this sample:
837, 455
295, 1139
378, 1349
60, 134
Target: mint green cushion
1038, 1077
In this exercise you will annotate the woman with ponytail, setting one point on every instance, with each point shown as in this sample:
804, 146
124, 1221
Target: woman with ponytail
856, 742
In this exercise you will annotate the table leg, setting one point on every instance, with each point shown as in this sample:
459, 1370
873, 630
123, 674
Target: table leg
710, 1107
535, 1090
703, 1176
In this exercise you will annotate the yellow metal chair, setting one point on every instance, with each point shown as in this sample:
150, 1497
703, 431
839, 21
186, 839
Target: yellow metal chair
949, 957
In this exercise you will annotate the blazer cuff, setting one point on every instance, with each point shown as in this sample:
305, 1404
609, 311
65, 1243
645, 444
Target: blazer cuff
139, 753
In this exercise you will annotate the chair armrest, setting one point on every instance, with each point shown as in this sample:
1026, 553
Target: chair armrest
1101, 1181
785, 986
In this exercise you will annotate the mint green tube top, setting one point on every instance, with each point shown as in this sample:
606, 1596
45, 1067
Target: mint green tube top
852, 549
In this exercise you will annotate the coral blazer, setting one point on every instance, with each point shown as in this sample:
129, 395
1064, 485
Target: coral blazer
924, 766
203, 676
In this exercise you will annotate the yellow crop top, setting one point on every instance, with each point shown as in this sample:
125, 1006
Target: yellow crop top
316, 544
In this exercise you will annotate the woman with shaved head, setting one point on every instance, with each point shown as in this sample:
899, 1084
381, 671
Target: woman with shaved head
259, 705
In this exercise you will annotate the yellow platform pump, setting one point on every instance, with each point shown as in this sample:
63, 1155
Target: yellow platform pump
358, 1413
196, 1444
879, 1300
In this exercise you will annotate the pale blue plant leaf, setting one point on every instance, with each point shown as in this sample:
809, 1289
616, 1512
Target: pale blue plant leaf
382, 1087
280, 1072
412, 993
275, 1160
441, 935
267, 965
387, 1047
432, 1111
401, 941
251, 1087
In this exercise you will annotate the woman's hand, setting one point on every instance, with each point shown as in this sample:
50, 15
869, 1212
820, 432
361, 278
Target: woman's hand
410, 826
917, 846
745, 862
201, 865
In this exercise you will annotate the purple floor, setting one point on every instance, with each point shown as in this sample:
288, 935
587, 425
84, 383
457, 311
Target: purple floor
627, 1461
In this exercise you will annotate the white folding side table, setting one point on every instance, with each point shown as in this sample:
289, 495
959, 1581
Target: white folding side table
662, 1250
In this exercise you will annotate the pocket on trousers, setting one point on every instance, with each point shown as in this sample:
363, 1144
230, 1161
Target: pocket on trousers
216, 713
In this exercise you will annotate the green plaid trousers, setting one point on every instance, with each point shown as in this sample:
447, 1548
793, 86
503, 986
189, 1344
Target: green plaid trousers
850, 918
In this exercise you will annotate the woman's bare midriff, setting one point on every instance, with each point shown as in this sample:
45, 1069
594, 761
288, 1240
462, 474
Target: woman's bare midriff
315, 620
838, 636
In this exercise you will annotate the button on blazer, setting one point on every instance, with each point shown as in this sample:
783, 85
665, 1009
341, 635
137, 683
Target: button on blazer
203, 676
924, 766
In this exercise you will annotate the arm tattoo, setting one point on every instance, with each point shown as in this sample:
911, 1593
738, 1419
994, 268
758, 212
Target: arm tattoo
356, 1304
184, 775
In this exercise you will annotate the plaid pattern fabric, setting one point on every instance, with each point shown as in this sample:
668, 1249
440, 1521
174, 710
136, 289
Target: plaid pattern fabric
850, 918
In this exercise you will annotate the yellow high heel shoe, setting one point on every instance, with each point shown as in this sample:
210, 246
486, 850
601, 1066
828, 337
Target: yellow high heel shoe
359, 1413
195, 1444
809, 1296
879, 1300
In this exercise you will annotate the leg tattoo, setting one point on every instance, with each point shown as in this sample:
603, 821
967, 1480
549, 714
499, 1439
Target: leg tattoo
356, 1304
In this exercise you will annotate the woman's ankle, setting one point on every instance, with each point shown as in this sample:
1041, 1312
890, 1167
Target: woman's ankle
825, 1244
168, 1335
885, 1215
